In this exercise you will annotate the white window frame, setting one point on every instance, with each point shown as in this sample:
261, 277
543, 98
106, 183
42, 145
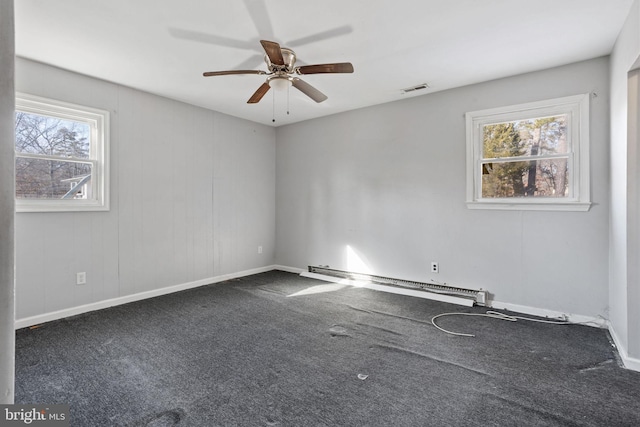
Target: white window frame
98, 121
579, 198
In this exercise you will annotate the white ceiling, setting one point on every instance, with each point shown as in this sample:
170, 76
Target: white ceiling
164, 46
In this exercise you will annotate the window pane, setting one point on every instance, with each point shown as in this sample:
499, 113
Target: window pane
37, 134
47, 179
537, 178
532, 137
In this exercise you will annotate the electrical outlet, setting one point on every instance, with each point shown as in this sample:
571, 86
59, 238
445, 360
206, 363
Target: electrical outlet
259, 249
81, 278
434, 267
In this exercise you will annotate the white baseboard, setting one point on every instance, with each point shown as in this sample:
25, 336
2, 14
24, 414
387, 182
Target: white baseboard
598, 322
390, 289
73, 311
629, 362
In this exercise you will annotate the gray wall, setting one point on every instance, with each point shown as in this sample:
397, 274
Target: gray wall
389, 183
624, 275
7, 136
192, 197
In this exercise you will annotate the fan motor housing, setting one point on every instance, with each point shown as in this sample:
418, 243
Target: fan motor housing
289, 57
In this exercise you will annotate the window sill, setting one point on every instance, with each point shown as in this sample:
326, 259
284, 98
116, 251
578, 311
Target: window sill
47, 206
538, 205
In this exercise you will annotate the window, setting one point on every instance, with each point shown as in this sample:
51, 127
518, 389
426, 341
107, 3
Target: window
61, 156
531, 156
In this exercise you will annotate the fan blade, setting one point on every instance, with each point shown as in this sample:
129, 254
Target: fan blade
339, 67
324, 35
225, 73
309, 90
252, 62
257, 96
273, 51
211, 39
260, 16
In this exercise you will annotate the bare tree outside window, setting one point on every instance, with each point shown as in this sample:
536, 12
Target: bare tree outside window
61, 156
49, 153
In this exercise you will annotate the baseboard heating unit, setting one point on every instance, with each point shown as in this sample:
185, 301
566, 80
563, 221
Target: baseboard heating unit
435, 291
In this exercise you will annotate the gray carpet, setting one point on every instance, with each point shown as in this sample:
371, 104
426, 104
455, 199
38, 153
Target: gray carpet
248, 353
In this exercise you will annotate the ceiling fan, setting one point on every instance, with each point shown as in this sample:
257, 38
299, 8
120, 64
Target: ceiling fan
282, 71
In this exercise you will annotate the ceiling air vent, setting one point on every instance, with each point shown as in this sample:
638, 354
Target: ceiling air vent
415, 88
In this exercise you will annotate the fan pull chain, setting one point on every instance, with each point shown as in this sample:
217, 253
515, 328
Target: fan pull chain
288, 87
273, 113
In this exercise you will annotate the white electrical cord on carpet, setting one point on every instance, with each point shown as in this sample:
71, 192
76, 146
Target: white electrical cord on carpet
493, 315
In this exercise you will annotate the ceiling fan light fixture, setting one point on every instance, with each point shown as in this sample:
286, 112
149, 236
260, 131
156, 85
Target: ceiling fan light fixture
280, 83
282, 70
